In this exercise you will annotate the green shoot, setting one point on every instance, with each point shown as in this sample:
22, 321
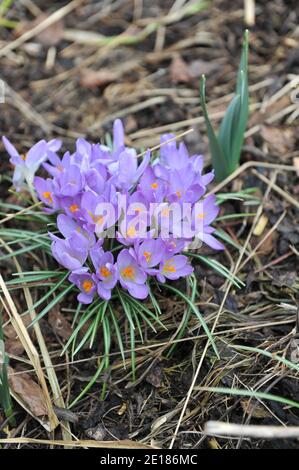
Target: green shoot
226, 147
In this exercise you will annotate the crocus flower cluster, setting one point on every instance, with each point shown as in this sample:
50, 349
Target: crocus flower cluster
113, 208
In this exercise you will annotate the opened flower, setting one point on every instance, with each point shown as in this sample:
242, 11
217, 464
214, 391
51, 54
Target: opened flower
26, 165
87, 285
131, 276
105, 271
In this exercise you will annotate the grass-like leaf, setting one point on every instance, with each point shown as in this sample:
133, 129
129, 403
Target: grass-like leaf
276, 357
226, 147
251, 394
197, 313
192, 283
218, 267
220, 163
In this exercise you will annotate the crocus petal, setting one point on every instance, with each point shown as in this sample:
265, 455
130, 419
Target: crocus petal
36, 155
138, 291
211, 241
11, 150
118, 135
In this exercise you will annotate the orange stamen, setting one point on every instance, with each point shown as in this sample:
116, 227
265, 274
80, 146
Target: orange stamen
131, 232
74, 208
169, 267
105, 271
47, 195
128, 273
98, 219
87, 285
147, 256
165, 212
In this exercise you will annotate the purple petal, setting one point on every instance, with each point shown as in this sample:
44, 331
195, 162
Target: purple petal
118, 134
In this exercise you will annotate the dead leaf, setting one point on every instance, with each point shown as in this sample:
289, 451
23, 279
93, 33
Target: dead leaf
28, 392
255, 409
154, 377
279, 140
267, 246
179, 70
13, 345
92, 79
60, 324
50, 36
284, 279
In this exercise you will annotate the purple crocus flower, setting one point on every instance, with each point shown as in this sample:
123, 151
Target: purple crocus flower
54, 165
71, 206
203, 214
171, 156
45, 191
131, 276
97, 212
174, 246
67, 227
134, 219
153, 188
27, 165
106, 271
197, 164
70, 181
86, 185
96, 177
149, 254
174, 268
183, 186
87, 284
71, 252
126, 171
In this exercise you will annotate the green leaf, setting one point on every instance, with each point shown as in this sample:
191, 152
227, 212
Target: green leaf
220, 164
197, 313
118, 333
233, 126
251, 394
226, 148
228, 131
89, 312
191, 281
47, 295
268, 354
89, 385
52, 304
219, 268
